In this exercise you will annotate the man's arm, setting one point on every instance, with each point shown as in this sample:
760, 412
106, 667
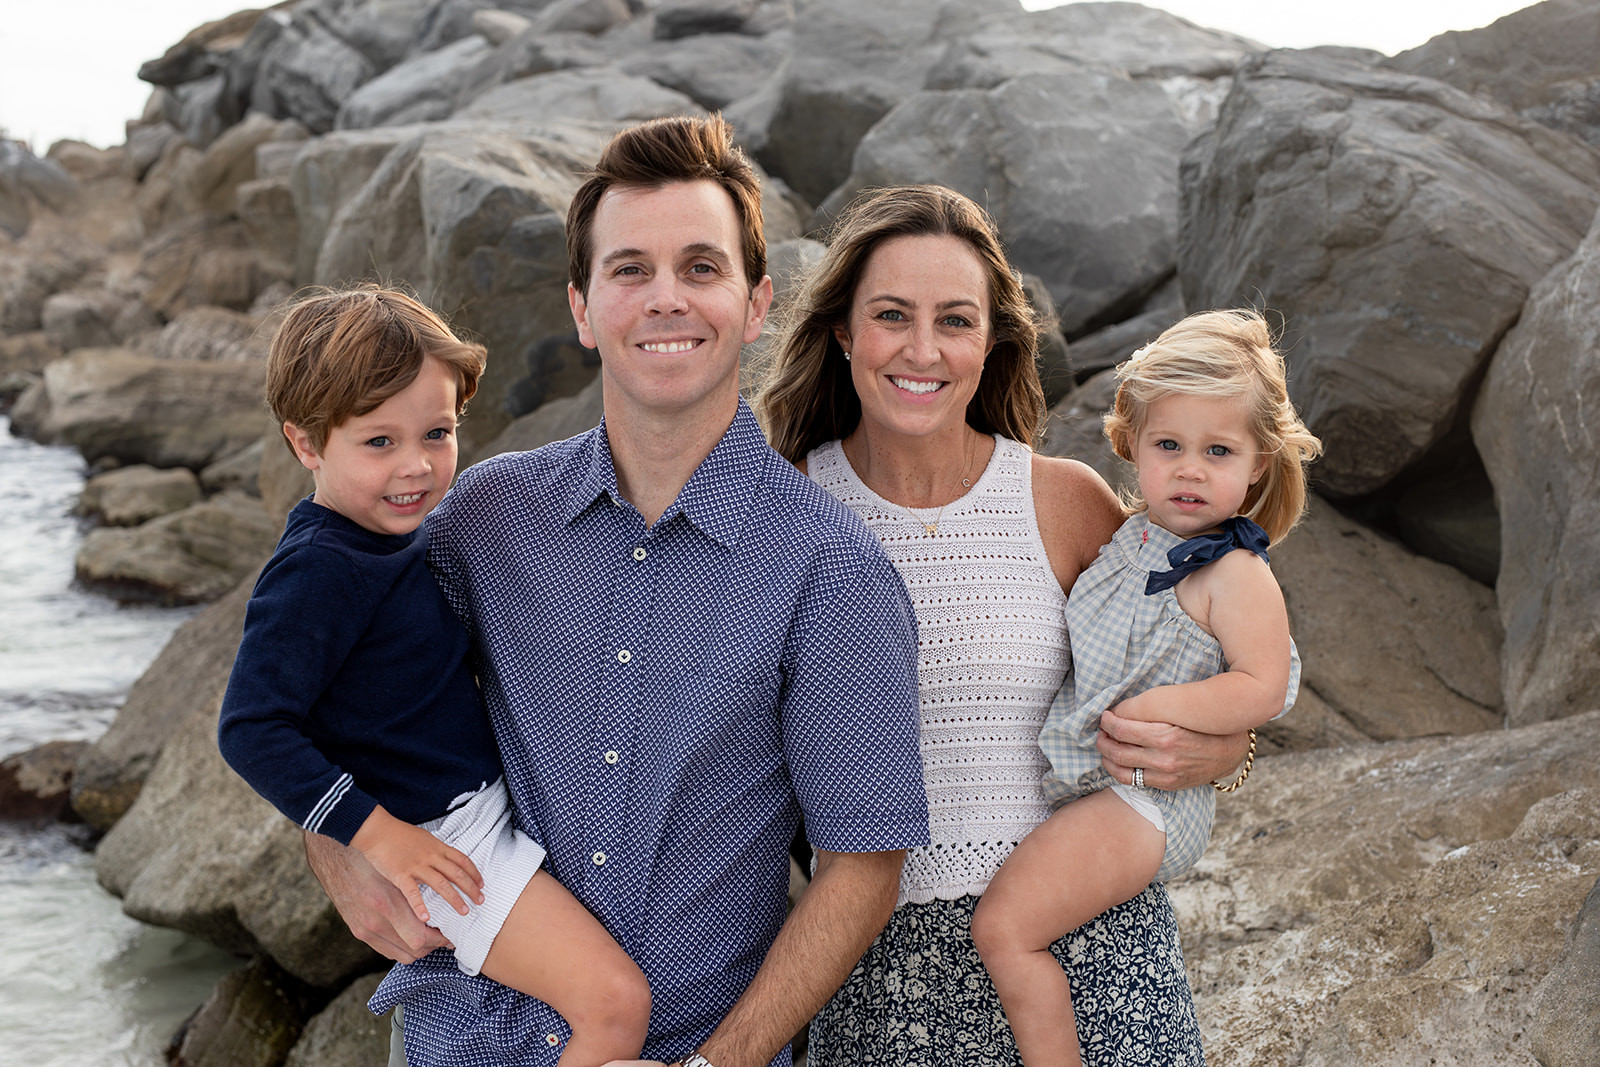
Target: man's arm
847, 905
376, 912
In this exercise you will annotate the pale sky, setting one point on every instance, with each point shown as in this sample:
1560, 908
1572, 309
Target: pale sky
68, 68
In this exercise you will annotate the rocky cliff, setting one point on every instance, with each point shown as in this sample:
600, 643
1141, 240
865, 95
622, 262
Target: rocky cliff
1409, 876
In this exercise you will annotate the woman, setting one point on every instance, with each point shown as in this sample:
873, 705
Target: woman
906, 384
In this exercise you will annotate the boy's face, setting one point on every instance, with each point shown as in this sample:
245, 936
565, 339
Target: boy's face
387, 469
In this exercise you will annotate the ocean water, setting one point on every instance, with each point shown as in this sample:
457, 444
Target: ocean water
84, 984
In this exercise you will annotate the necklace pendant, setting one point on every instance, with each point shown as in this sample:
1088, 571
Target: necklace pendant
931, 527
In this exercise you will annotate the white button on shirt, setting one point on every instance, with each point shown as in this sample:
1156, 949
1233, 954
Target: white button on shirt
624, 656
611, 757
599, 859
640, 553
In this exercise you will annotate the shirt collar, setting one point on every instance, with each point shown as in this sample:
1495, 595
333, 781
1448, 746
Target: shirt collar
717, 496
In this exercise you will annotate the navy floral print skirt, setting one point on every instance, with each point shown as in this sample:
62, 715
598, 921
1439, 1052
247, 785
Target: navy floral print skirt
921, 998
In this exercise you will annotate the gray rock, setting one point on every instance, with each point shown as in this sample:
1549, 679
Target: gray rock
253, 1018
1393, 903
28, 185
473, 217
145, 145
1399, 645
85, 162
188, 675
207, 333
240, 471
1144, 42
201, 110
1398, 260
555, 421
497, 26
230, 161
27, 354
36, 784
28, 279
282, 481
1535, 427
95, 318
128, 496
1075, 429
583, 16
1450, 516
199, 851
687, 18
596, 94
201, 52
423, 88
345, 1033
307, 70
1539, 61
1079, 170
110, 403
1107, 347
187, 557
851, 63
1566, 1028
715, 70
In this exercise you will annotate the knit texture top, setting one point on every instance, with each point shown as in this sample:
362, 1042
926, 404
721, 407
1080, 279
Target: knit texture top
992, 651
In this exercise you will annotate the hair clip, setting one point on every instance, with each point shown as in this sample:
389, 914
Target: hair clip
1139, 353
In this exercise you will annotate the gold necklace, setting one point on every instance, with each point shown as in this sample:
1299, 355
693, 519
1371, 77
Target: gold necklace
966, 483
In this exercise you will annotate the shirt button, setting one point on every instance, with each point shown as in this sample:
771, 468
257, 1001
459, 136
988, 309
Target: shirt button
612, 757
624, 656
640, 553
552, 1040
599, 859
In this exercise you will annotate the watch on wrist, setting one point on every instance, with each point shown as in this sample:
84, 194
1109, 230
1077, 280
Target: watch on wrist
694, 1059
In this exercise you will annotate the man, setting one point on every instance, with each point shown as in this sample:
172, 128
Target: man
683, 645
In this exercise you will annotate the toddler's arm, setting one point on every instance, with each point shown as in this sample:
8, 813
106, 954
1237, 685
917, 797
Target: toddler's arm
409, 856
1243, 606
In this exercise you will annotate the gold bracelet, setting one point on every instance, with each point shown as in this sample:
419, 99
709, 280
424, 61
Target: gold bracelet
1244, 772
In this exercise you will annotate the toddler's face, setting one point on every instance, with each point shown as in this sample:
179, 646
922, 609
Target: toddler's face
1197, 459
387, 469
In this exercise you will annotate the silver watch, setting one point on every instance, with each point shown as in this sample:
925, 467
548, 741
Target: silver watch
694, 1059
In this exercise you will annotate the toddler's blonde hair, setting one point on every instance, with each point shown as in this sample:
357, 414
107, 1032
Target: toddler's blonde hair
1223, 354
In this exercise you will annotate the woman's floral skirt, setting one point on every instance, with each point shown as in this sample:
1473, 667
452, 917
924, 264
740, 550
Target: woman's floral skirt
921, 998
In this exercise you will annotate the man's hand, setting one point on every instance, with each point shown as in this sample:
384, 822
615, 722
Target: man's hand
1172, 757
375, 911
410, 856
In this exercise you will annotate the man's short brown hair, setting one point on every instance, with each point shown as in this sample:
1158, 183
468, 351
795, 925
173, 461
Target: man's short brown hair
341, 353
658, 153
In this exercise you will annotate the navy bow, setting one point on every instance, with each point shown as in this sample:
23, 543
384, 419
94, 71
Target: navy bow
1191, 555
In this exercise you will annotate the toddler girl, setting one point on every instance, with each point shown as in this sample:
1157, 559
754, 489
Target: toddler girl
1180, 621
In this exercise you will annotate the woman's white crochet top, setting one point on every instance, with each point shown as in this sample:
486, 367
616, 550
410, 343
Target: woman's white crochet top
992, 651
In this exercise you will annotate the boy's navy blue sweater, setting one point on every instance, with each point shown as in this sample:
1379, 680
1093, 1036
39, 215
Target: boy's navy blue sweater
352, 686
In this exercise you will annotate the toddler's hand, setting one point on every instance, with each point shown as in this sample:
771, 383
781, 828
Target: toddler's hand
408, 856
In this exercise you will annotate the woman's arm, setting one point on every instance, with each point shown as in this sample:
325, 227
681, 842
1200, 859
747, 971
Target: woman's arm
1077, 514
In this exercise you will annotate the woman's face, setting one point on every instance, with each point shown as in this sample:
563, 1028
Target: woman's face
918, 334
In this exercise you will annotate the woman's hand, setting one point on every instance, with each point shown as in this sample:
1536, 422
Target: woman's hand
1172, 757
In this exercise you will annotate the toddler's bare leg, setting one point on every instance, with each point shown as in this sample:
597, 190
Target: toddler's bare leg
1090, 855
552, 948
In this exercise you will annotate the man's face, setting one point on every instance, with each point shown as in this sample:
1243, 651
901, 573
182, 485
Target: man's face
668, 306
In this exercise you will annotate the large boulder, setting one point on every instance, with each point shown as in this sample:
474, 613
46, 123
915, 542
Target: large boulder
96, 318
716, 69
186, 557
423, 88
1566, 1030
850, 64
1395, 903
1144, 42
1542, 61
1080, 171
253, 1017
188, 675
470, 216
29, 184
36, 784
128, 496
1537, 425
199, 851
207, 333
1396, 223
345, 1033
1399, 645
593, 94
112, 404
33, 272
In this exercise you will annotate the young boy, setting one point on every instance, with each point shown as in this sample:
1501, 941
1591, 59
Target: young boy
352, 706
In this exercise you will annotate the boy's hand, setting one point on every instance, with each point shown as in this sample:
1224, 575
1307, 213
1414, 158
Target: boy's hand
409, 856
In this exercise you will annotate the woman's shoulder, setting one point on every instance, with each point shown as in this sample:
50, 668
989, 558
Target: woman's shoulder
1077, 513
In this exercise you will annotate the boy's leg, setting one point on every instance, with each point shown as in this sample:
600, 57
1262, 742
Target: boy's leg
1091, 854
552, 948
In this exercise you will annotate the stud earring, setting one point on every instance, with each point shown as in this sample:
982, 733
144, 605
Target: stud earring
847, 357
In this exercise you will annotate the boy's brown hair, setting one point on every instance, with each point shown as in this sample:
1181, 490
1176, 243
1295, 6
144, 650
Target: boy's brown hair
657, 153
342, 352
